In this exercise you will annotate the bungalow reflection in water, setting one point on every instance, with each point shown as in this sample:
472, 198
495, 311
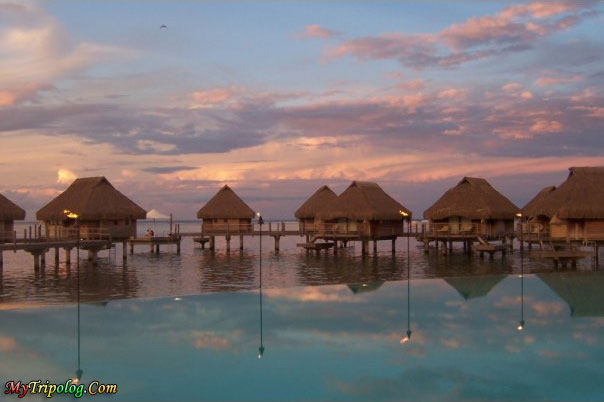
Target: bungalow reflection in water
332, 342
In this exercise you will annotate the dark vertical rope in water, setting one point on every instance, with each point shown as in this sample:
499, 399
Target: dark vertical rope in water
408, 281
261, 348
521, 323
79, 371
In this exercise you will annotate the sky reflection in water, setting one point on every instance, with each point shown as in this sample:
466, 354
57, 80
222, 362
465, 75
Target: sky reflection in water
337, 342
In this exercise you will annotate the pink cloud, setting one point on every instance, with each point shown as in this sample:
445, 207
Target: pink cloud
549, 80
474, 39
538, 10
545, 126
317, 31
212, 97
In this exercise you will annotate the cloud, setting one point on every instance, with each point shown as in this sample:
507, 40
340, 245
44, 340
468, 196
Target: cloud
36, 51
514, 29
549, 80
317, 31
167, 169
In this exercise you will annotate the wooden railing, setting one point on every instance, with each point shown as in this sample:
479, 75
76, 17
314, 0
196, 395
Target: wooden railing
85, 233
452, 229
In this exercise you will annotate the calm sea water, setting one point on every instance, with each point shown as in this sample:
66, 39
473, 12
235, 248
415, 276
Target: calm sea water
336, 342
197, 271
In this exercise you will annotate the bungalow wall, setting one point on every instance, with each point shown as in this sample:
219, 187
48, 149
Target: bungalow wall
226, 226
362, 228
459, 225
115, 228
577, 229
307, 225
6, 230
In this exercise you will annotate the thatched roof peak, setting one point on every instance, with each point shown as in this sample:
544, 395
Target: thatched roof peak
92, 198
581, 196
472, 198
318, 200
531, 209
363, 200
9, 211
225, 205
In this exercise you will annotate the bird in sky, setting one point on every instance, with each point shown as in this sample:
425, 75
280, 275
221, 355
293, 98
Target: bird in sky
163, 26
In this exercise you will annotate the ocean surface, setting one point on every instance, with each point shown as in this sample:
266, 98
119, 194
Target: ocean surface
196, 271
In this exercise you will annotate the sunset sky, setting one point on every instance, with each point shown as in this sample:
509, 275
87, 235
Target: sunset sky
276, 99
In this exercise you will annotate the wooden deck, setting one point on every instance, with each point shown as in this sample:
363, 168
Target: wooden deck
155, 241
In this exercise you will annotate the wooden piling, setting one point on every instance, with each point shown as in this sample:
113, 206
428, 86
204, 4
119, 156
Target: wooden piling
178, 246
56, 255
394, 245
375, 247
36, 261
227, 238
1, 259
212, 243
131, 248
67, 256
43, 258
364, 247
157, 249
277, 238
125, 251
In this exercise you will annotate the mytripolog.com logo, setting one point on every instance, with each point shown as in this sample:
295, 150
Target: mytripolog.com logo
37, 387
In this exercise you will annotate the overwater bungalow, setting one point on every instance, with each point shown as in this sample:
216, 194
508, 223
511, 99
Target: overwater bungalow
472, 287
362, 212
307, 212
574, 211
534, 225
225, 214
9, 212
472, 210
103, 212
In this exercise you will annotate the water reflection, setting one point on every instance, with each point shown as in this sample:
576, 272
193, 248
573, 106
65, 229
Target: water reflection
332, 342
196, 271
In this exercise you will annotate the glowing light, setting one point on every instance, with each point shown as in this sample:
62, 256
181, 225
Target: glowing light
71, 215
519, 215
520, 327
405, 339
259, 356
75, 380
403, 213
177, 299
65, 176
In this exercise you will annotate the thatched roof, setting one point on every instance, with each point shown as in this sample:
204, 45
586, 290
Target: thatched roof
92, 198
364, 287
472, 198
581, 196
582, 291
318, 200
531, 209
363, 200
471, 287
225, 205
9, 211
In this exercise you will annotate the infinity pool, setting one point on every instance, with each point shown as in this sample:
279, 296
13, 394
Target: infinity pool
342, 342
